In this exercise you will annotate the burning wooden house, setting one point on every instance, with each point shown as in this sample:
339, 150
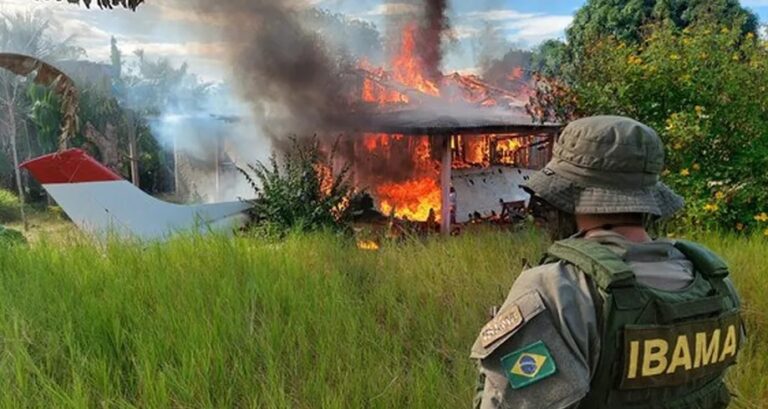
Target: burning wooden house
459, 165
425, 145
455, 146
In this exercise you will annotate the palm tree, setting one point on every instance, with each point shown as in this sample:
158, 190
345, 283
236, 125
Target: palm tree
26, 34
132, 4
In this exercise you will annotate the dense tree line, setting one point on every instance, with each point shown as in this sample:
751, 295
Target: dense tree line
131, 4
695, 71
116, 100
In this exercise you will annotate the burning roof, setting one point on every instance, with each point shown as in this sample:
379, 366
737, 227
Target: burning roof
452, 120
412, 96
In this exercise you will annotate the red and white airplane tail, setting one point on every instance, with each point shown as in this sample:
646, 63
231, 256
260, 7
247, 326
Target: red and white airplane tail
100, 202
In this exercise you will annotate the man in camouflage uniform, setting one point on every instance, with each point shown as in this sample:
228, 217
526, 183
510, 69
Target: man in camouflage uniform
611, 318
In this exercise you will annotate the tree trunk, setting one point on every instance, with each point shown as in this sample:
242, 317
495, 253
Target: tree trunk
218, 166
133, 149
28, 140
176, 167
12, 130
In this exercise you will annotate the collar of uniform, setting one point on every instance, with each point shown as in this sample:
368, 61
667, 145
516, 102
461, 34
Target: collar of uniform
655, 250
610, 239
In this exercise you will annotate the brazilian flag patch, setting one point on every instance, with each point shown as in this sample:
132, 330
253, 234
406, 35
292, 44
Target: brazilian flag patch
528, 365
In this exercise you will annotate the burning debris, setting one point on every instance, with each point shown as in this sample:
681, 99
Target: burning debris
413, 199
369, 245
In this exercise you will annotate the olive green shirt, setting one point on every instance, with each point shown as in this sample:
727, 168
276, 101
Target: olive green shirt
556, 304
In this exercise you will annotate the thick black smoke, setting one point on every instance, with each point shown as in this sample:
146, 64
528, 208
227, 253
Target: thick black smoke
431, 22
286, 72
295, 81
430, 39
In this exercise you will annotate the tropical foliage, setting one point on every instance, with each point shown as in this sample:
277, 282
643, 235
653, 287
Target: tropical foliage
703, 88
301, 190
9, 206
11, 237
114, 104
625, 19
28, 34
108, 4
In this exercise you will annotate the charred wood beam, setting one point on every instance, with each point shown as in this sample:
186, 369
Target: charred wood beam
474, 83
471, 84
418, 96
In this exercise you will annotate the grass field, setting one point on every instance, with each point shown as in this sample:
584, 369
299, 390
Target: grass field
308, 322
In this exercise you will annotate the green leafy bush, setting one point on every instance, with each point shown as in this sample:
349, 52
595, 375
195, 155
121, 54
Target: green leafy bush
9, 206
703, 88
300, 191
10, 237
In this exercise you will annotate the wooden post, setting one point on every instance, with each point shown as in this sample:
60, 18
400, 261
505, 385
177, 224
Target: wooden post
352, 144
445, 186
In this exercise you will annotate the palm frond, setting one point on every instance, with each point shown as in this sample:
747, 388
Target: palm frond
49, 76
109, 4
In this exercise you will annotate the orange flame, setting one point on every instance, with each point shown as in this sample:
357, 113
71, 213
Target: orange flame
324, 175
367, 245
412, 199
477, 150
421, 152
373, 141
420, 194
374, 92
516, 74
379, 141
326, 178
406, 70
506, 149
407, 67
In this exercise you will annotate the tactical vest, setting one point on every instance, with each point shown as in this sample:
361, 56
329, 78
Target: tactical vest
659, 349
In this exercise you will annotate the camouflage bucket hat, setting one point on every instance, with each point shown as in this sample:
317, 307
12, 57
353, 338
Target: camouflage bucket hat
606, 164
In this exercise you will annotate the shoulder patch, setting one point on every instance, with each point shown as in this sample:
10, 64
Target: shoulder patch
501, 325
528, 365
515, 314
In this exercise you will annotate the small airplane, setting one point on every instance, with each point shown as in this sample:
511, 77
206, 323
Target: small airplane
102, 203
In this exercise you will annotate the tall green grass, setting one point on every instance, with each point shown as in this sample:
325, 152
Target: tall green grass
748, 261
308, 322
9, 206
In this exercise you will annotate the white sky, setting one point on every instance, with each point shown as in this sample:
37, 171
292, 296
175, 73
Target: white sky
162, 30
